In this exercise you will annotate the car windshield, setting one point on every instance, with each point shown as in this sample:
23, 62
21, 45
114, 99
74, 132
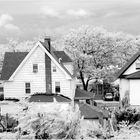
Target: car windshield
109, 94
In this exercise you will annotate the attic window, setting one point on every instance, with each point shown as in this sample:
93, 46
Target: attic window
54, 69
137, 65
35, 68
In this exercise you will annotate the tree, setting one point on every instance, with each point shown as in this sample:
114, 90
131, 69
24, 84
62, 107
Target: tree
12, 44
97, 53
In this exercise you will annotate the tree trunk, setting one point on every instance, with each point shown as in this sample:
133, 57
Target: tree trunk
82, 79
85, 84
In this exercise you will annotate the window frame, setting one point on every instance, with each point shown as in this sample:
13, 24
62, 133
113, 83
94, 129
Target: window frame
54, 69
57, 87
27, 87
35, 68
137, 66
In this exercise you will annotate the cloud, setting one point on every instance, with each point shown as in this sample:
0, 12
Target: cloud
5, 22
78, 13
111, 14
4, 19
11, 27
49, 11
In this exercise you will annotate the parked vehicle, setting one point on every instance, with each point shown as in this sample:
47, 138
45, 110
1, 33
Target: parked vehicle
108, 97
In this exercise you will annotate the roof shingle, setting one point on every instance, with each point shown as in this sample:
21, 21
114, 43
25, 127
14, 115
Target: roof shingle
93, 112
82, 94
11, 62
61, 54
44, 97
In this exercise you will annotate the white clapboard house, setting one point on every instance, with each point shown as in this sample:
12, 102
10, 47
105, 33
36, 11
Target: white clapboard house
42, 70
129, 77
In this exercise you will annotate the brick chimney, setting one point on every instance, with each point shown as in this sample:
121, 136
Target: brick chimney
48, 75
47, 42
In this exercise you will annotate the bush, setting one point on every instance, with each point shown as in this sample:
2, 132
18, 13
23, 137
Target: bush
126, 100
8, 123
54, 121
130, 115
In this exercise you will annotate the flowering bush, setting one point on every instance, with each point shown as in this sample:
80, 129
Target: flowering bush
56, 121
50, 121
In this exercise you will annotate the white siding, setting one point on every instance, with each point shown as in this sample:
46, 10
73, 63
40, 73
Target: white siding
69, 67
135, 92
67, 86
16, 88
132, 68
124, 87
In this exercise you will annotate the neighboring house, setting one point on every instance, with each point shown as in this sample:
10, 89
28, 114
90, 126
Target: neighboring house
129, 77
41, 70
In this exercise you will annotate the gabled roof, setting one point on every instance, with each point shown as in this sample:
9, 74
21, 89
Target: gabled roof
61, 54
56, 59
93, 112
135, 75
11, 62
127, 65
82, 94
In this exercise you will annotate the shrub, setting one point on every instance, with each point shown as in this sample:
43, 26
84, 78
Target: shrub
50, 122
126, 100
8, 123
130, 115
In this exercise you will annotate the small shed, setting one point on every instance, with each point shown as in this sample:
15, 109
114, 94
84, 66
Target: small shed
83, 96
94, 114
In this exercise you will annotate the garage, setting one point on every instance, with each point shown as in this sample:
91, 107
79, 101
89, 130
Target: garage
135, 92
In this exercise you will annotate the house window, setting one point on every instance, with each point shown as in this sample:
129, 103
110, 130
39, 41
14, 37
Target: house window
57, 87
137, 65
54, 69
35, 68
27, 88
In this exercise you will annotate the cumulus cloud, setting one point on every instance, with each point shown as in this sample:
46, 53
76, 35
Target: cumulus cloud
79, 12
49, 11
4, 19
5, 22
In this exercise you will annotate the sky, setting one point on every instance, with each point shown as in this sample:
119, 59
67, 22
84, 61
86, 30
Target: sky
28, 19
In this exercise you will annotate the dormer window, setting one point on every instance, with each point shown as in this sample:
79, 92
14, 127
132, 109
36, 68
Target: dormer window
137, 65
54, 69
35, 68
